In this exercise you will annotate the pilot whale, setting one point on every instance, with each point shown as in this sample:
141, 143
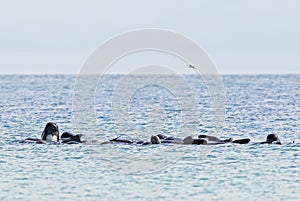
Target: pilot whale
51, 132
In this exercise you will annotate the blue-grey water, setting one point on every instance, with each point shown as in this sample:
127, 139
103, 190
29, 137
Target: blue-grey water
255, 105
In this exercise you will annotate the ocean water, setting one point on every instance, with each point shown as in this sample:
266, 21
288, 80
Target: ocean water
254, 106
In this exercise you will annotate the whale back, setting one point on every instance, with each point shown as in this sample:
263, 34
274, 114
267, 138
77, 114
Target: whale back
67, 137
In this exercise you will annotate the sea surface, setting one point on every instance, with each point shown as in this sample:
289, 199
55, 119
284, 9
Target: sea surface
136, 107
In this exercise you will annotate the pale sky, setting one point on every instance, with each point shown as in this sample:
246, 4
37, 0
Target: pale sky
56, 36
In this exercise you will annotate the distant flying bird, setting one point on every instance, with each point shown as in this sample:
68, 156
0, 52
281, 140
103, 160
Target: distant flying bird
191, 66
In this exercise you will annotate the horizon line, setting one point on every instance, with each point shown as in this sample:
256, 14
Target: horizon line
267, 73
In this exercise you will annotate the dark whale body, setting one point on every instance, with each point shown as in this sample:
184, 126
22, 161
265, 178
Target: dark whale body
271, 139
70, 138
51, 132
